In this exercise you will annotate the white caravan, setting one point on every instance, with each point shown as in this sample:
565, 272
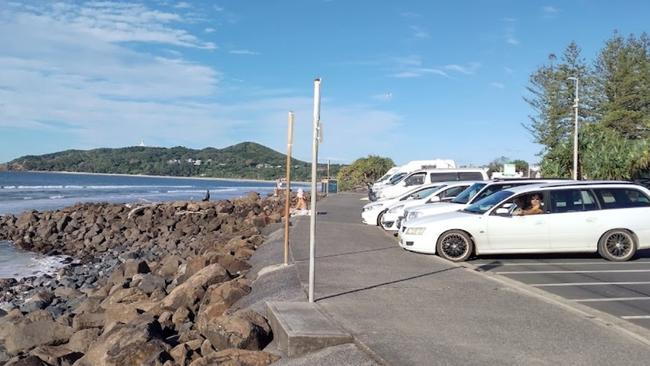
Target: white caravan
421, 177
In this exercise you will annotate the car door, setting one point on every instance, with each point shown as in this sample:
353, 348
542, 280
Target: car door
573, 220
507, 233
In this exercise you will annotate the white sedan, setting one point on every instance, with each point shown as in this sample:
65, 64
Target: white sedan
473, 193
391, 220
372, 213
610, 218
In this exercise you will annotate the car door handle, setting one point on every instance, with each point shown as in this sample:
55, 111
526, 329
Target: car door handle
591, 219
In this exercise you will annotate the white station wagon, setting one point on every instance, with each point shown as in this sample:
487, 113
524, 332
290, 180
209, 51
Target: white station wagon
610, 218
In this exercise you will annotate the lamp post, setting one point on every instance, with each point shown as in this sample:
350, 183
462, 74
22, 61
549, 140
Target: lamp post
575, 131
312, 207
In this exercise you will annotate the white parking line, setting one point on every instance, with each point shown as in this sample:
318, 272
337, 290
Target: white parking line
556, 263
613, 299
589, 271
567, 284
635, 317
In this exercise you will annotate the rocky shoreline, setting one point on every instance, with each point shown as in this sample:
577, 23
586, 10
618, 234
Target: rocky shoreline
146, 285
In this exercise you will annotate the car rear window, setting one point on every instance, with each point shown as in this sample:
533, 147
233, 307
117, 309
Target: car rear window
610, 198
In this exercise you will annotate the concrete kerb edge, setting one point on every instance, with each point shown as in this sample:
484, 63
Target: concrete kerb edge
598, 317
357, 342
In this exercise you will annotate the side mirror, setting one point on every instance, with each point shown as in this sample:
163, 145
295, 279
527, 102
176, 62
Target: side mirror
502, 211
404, 184
434, 199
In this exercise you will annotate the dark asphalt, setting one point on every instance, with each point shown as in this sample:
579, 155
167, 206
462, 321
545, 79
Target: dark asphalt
620, 289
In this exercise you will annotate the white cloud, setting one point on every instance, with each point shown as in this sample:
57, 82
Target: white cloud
243, 52
468, 69
510, 31
65, 71
497, 85
409, 14
183, 5
115, 22
508, 70
419, 72
209, 30
383, 97
550, 9
419, 32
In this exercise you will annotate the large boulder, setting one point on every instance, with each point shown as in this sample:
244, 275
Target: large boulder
81, 340
56, 355
219, 298
245, 329
136, 343
192, 290
25, 333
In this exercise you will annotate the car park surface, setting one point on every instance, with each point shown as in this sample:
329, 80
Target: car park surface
411, 309
621, 289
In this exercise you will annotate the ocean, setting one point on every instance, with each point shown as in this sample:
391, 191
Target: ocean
23, 191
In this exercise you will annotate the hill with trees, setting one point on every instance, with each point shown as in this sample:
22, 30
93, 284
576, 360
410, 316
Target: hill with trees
243, 160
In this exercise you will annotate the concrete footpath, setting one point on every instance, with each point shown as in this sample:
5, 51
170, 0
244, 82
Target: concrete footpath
414, 309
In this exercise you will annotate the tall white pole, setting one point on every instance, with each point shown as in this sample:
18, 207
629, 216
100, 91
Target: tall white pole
287, 198
575, 132
314, 165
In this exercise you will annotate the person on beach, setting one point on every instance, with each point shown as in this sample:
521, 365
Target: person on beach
302, 203
207, 196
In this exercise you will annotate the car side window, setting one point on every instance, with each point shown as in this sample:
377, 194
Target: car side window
452, 192
443, 177
572, 200
611, 198
415, 179
470, 176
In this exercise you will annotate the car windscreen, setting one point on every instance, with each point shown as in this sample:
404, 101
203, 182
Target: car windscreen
482, 206
467, 194
383, 178
421, 192
396, 178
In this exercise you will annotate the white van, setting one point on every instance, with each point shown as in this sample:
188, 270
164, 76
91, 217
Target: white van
421, 177
395, 174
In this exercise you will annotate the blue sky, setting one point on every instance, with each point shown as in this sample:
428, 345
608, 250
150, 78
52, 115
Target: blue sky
408, 79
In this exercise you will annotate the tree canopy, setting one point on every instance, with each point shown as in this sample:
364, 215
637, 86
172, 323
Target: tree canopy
363, 172
614, 110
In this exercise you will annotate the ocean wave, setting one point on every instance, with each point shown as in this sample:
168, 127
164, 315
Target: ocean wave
41, 187
202, 190
56, 197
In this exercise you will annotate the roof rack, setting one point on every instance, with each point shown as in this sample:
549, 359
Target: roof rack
586, 183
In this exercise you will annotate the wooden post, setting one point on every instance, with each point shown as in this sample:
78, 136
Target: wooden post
287, 204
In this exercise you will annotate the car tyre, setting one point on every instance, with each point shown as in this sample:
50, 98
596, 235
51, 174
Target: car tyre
455, 246
617, 245
379, 217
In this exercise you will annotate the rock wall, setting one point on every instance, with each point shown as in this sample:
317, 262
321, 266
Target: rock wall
147, 285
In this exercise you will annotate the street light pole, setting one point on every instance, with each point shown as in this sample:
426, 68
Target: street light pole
312, 207
575, 132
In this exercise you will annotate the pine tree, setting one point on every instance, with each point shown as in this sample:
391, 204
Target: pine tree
623, 70
552, 95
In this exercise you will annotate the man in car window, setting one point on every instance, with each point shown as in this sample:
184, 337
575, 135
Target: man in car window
535, 206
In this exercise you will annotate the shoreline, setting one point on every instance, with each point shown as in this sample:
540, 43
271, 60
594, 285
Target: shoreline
153, 176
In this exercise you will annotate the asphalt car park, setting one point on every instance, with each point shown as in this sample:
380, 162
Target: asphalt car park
621, 289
